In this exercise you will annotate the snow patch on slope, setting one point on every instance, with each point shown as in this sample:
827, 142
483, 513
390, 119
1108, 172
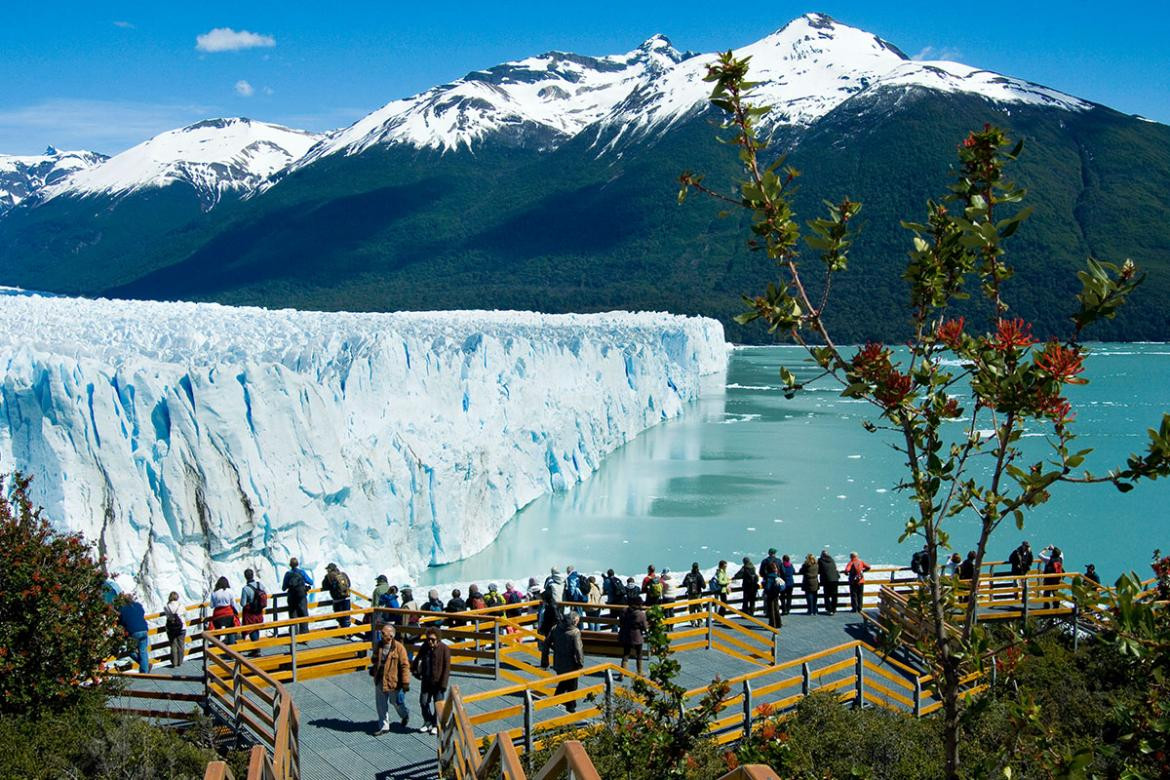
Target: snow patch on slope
24, 176
192, 440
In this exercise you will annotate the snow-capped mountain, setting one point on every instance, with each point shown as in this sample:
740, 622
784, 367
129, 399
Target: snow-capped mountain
804, 70
214, 157
539, 101
23, 176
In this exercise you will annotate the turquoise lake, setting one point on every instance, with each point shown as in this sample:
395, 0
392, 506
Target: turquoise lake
744, 469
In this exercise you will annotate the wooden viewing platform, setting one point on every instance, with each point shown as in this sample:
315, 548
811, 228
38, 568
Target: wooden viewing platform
302, 697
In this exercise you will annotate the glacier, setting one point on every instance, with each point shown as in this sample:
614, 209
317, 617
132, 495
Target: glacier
190, 440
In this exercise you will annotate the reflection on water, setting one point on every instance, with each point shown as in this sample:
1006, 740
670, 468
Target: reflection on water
744, 469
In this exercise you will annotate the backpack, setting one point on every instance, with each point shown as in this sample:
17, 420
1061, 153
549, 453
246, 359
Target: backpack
655, 590
573, 588
259, 601
340, 588
296, 586
694, 584
513, 597
617, 590
175, 626
388, 600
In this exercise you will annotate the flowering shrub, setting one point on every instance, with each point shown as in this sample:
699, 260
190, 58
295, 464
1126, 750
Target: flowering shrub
55, 627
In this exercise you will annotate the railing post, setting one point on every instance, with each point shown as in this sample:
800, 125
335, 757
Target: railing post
237, 697
1025, 597
292, 651
1076, 621
495, 649
528, 723
747, 709
709, 610
859, 668
609, 697
776, 648
805, 679
917, 697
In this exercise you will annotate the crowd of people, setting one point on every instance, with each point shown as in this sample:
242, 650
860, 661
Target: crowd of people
563, 602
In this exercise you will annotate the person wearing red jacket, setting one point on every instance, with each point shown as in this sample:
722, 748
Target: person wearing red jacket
855, 571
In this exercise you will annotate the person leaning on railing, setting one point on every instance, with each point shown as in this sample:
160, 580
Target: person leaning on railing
253, 602
751, 585
132, 618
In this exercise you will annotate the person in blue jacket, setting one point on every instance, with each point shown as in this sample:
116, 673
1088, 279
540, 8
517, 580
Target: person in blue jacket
132, 618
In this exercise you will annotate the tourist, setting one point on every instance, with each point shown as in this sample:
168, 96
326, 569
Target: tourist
593, 597
967, 567
632, 590
512, 597
920, 563
555, 584
810, 582
432, 667
1053, 561
1021, 559
223, 609
433, 602
535, 591
381, 588
830, 579
614, 590
408, 605
253, 602
176, 627
492, 598
788, 577
132, 618
952, 567
391, 672
632, 628
855, 570
568, 655
475, 599
455, 605
693, 585
721, 585
773, 586
667, 586
1091, 574
390, 600
574, 591
337, 583
296, 585
549, 615
650, 578
751, 585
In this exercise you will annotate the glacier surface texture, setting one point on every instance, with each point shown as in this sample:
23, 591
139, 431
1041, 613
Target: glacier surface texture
192, 440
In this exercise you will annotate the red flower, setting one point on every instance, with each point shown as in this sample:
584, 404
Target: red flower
951, 332
1012, 334
764, 710
1061, 363
1055, 406
951, 409
731, 760
872, 362
768, 731
892, 389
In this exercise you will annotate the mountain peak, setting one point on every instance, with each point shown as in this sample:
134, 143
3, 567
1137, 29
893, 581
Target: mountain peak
51, 151
656, 42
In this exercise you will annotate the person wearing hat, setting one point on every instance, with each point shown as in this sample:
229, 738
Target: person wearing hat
554, 586
296, 585
337, 583
773, 586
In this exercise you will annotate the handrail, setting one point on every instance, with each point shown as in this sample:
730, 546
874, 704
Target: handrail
571, 758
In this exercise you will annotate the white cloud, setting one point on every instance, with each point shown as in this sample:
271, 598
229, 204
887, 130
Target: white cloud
945, 53
125, 25
108, 126
244, 89
227, 39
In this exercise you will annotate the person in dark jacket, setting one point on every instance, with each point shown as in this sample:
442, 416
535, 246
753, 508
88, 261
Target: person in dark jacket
132, 618
967, 567
810, 582
1091, 574
773, 586
432, 667
1021, 559
830, 577
751, 585
456, 604
337, 583
788, 576
694, 584
296, 586
920, 563
632, 629
568, 655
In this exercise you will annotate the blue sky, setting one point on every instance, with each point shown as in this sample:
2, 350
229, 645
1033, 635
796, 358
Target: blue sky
105, 76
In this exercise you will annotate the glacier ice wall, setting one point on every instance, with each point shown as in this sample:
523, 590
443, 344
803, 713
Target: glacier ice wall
192, 440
